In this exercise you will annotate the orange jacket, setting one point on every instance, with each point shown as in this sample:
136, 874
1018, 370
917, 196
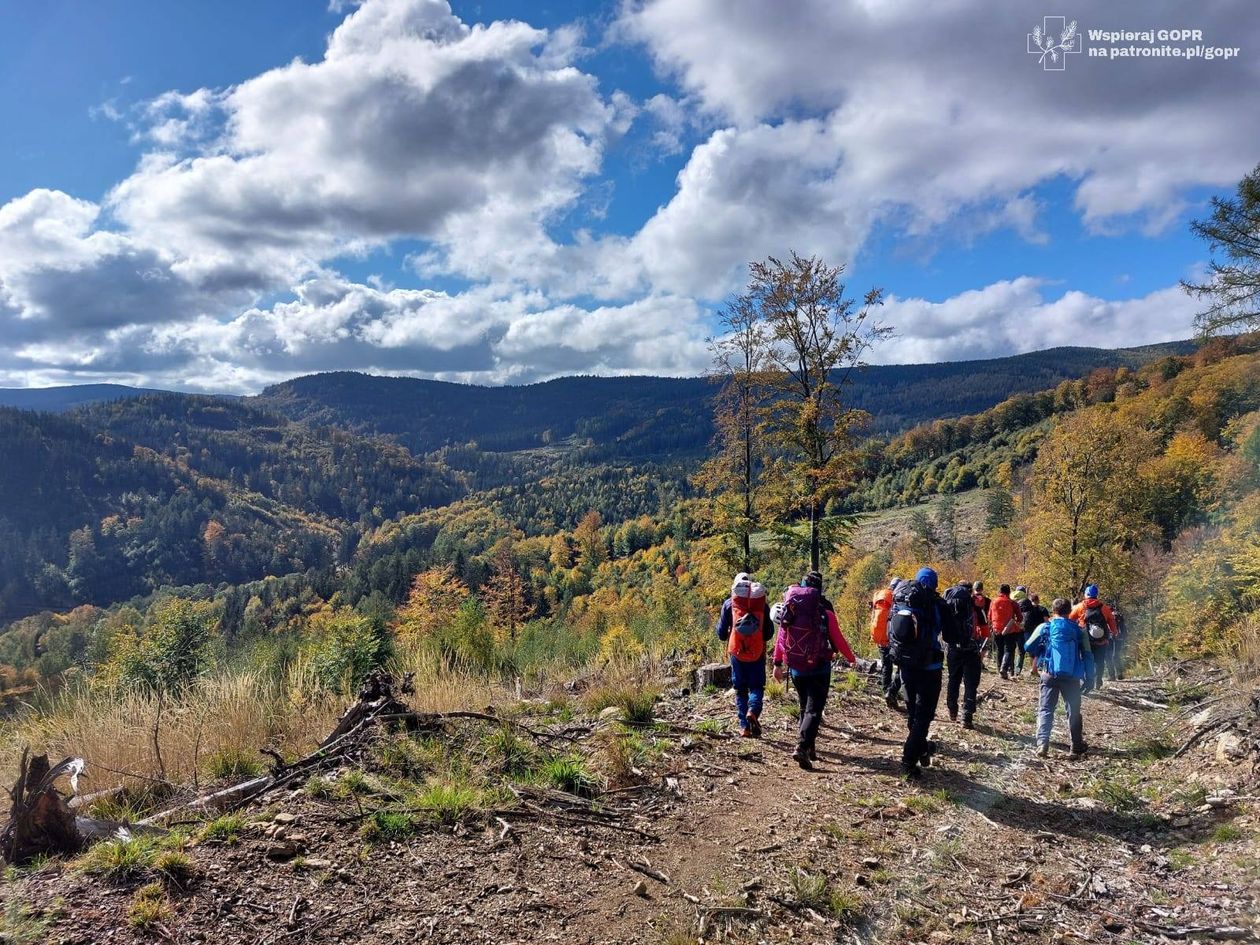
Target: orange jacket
881, 607
1078, 615
1005, 616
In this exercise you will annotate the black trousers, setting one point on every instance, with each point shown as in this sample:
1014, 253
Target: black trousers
811, 692
964, 674
923, 692
1008, 644
890, 677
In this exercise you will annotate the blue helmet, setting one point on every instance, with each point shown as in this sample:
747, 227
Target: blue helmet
1091, 591
927, 577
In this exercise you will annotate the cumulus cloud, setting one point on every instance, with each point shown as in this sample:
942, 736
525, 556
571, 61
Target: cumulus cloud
1014, 316
214, 264
410, 121
948, 121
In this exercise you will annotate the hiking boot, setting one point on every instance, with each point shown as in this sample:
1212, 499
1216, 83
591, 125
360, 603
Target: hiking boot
911, 773
813, 754
744, 732
1004, 676
953, 714
926, 758
754, 726
891, 699
801, 757
1043, 751
1076, 754
967, 723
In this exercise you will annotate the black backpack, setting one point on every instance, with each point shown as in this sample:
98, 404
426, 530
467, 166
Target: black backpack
962, 609
1096, 625
1032, 615
912, 625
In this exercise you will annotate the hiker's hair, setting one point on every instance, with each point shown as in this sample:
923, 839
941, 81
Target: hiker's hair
1061, 607
1004, 589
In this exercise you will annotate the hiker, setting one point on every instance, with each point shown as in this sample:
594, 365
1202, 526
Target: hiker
982, 617
963, 654
1006, 626
881, 605
809, 637
1065, 657
915, 630
1115, 652
1033, 616
745, 626
1097, 620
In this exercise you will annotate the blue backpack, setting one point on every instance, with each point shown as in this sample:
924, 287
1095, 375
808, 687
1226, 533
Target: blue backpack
1057, 647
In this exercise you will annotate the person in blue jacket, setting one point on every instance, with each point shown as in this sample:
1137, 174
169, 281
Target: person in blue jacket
1066, 660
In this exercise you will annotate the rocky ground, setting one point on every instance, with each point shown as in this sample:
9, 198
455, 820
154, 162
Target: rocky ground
695, 835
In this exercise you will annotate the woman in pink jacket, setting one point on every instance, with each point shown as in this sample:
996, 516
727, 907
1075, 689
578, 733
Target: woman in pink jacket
809, 638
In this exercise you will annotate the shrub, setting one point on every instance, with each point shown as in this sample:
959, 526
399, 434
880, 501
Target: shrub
233, 763
385, 826
347, 648
119, 860
174, 868
226, 829
570, 773
149, 907
448, 802
510, 753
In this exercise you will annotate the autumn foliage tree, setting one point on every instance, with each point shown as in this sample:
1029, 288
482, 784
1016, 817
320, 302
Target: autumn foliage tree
504, 594
436, 596
1086, 517
816, 337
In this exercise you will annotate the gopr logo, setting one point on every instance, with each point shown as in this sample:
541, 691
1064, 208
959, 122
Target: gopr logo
1053, 41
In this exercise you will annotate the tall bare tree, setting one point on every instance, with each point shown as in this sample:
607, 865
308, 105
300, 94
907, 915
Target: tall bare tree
816, 338
732, 475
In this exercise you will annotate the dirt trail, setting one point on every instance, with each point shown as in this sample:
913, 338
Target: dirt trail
994, 844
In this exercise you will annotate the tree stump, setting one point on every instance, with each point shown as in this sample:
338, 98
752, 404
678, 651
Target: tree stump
40, 821
714, 674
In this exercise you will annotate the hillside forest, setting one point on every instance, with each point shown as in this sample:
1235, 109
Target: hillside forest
170, 537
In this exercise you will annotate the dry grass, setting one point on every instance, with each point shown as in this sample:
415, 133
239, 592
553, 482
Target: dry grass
223, 715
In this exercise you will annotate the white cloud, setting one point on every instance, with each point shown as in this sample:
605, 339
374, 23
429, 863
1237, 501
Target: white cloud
213, 263
934, 114
1014, 316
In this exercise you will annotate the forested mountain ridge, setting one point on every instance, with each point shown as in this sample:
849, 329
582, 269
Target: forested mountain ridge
122, 498
637, 417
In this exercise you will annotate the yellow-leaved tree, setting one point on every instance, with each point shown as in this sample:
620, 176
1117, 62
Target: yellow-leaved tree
1086, 514
436, 596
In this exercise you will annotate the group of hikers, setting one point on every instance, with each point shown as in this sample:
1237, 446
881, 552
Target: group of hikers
922, 636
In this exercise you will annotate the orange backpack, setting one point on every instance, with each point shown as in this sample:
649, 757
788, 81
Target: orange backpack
881, 606
748, 614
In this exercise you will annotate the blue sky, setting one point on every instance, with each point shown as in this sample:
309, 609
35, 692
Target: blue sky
218, 196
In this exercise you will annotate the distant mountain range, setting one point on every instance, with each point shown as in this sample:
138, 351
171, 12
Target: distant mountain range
617, 417
60, 399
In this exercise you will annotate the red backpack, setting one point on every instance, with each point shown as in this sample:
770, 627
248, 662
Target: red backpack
748, 615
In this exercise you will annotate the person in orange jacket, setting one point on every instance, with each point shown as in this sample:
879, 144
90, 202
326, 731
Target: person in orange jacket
1098, 621
1006, 625
881, 607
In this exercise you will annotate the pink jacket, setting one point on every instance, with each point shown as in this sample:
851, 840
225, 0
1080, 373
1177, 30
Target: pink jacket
838, 643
